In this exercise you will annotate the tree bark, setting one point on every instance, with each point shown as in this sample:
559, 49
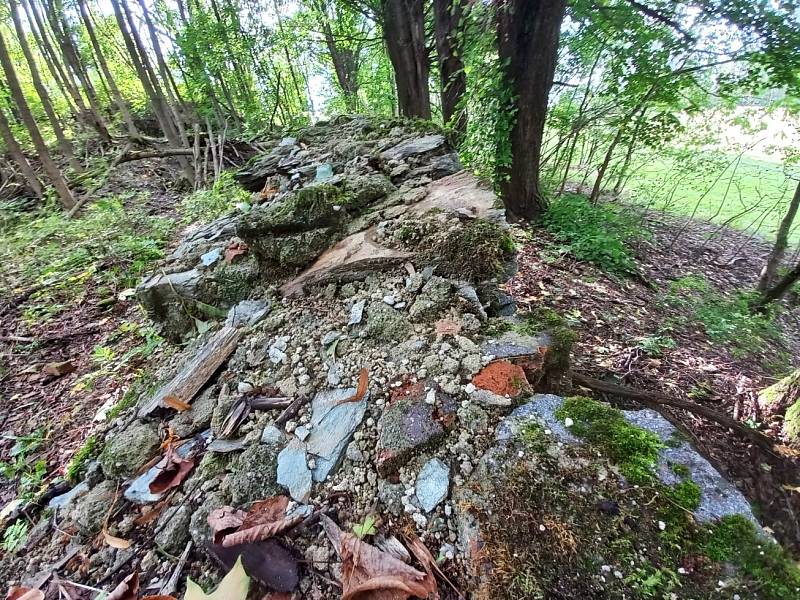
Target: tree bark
779, 290
50, 167
528, 36
101, 60
19, 157
447, 19
64, 145
345, 60
404, 33
781, 243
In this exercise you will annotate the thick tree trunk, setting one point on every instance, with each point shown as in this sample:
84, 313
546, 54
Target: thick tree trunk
17, 155
50, 167
64, 145
404, 33
781, 243
528, 36
101, 61
447, 17
345, 60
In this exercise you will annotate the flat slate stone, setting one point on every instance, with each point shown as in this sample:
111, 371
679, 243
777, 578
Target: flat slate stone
334, 421
433, 483
413, 146
512, 345
293, 471
406, 427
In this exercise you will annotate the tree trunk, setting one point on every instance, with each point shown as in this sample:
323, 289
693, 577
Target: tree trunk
50, 167
17, 155
404, 33
63, 143
72, 60
447, 16
781, 243
101, 60
345, 60
779, 290
528, 36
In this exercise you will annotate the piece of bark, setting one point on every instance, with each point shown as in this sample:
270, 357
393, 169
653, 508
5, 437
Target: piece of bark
197, 371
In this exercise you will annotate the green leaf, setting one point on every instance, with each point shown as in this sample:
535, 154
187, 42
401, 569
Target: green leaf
366, 528
234, 586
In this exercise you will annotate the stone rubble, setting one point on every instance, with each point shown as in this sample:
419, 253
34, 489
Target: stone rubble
439, 390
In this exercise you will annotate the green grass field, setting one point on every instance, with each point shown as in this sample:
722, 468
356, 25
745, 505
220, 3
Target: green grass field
746, 193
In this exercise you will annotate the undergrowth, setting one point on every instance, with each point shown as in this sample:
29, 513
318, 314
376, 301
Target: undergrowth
105, 250
203, 206
598, 234
726, 319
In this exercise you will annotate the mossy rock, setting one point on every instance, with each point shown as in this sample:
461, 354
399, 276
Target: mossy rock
254, 475
129, 450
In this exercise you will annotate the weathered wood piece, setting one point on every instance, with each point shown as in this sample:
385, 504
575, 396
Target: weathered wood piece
198, 370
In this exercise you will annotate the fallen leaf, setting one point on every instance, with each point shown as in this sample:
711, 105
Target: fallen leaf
173, 471
175, 403
153, 513
264, 520
447, 327
370, 574
224, 520
361, 389
115, 542
235, 249
234, 586
268, 562
59, 369
23, 593
235, 417
128, 589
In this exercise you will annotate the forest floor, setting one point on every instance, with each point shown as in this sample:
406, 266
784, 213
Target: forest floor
74, 340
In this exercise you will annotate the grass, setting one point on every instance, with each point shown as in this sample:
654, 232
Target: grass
105, 250
680, 183
203, 206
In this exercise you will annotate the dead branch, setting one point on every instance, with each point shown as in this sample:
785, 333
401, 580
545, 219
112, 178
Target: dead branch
165, 153
657, 401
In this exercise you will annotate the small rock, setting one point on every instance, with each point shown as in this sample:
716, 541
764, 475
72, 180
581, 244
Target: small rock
174, 529
254, 475
357, 312
293, 471
127, 451
91, 509
433, 483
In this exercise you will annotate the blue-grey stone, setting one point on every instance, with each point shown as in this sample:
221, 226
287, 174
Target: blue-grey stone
293, 471
247, 313
334, 420
324, 173
357, 312
414, 146
210, 257
512, 344
64, 500
139, 490
433, 483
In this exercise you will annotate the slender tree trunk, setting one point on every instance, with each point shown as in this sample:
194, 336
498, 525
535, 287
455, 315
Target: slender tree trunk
781, 243
447, 17
50, 167
601, 170
19, 157
101, 61
779, 290
528, 36
64, 145
345, 60
55, 12
404, 34
286, 51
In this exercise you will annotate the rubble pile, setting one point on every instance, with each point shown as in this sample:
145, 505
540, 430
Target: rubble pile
358, 356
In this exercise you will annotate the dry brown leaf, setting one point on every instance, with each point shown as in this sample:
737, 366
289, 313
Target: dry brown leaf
59, 369
176, 404
153, 513
260, 532
23, 593
224, 520
370, 574
174, 471
235, 249
128, 589
264, 520
115, 542
363, 383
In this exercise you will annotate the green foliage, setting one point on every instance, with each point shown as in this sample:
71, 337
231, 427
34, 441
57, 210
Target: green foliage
655, 345
597, 234
734, 539
633, 449
366, 528
15, 535
726, 319
203, 206
474, 251
109, 246
77, 465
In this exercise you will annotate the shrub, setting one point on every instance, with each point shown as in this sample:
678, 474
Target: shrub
593, 233
206, 205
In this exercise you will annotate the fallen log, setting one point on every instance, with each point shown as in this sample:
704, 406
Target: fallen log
657, 401
143, 154
197, 371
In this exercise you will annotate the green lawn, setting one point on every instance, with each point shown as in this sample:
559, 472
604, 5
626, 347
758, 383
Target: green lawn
747, 193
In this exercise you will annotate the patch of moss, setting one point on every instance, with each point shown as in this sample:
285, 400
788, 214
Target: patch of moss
734, 539
680, 470
475, 251
77, 465
496, 326
791, 422
633, 449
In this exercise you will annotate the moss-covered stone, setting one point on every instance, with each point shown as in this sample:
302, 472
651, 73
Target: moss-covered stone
385, 323
127, 451
254, 475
